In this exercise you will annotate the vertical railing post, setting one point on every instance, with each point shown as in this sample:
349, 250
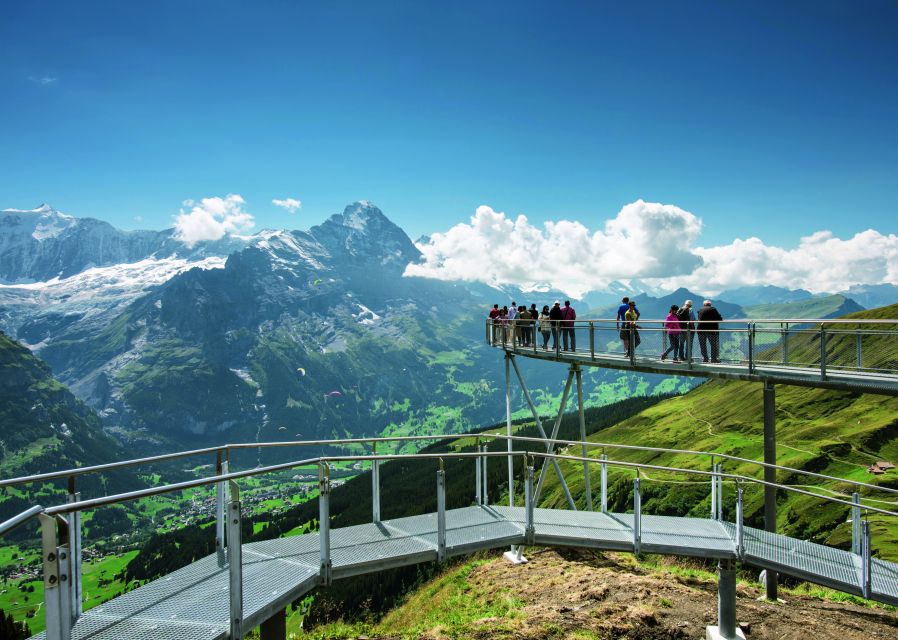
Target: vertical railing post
441, 513
478, 474
235, 563
485, 485
856, 543
784, 338
324, 523
740, 532
375, 485
860, 361
720, 491
592, 340
604, 480
221, 468
529, 530
632, 332
690, 336
751, 347
75, 555
823, 352
637, 516
866, 561
57, 577
713, 489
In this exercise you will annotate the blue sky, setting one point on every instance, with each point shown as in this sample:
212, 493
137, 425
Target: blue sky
759, 118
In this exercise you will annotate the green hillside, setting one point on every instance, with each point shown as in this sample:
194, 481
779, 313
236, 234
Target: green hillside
834, 433
825, 307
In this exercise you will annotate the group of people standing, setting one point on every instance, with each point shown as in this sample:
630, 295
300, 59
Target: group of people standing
519, 325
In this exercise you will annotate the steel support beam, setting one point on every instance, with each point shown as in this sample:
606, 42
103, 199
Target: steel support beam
441, 514
324, 524
221, 468
770, 476
508, 360
550, 446
75, 552
57, 577
375, 486
275, 628
542, 432
584, 449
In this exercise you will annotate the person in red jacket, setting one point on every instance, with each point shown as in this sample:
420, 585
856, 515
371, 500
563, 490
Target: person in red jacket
494, 325
568, 315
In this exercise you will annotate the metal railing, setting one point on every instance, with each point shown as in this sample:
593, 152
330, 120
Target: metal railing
822, 346
61, 537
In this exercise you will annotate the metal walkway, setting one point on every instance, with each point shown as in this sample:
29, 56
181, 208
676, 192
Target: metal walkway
192, 603
845, 355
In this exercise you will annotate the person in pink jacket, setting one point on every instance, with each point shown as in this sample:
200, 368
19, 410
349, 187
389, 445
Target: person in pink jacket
673, 330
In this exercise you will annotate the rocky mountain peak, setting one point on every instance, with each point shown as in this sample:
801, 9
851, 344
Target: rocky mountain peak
364, 234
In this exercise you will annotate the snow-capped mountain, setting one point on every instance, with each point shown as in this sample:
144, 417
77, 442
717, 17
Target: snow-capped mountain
40, 244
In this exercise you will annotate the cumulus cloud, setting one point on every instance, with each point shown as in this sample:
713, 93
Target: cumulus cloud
43, 80
644, 240
211, 219
653, 242
290, 204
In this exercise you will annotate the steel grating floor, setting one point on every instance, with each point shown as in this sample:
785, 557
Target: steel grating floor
192, 603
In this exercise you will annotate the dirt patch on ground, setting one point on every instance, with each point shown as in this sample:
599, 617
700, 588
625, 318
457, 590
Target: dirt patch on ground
581, 595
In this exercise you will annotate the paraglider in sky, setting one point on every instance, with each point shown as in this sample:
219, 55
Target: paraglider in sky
282, 428
297, 435
333, 394
301, 371
316, 282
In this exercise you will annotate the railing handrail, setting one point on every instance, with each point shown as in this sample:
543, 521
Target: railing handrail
143, 493
344, 441
19, 519
80, 505
870, 321
717, 474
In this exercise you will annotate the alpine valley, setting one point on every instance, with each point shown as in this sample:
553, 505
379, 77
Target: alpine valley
273, 336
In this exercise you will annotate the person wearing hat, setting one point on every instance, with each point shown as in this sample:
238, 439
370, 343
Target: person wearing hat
686, 316
709, 331
555, 316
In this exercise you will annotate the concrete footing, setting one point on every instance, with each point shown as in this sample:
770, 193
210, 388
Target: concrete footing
713, 633
515, 556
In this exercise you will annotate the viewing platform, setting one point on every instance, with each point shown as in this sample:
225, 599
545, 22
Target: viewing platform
844, 355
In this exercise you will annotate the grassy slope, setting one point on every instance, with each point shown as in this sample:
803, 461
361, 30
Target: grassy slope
814, 308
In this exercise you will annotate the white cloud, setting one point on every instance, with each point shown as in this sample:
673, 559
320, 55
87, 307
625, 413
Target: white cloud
211, 219
650, 241
644, 240
290, 204
42, 80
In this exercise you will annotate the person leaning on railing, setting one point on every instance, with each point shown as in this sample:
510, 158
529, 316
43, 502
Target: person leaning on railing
494, 316
545, 325
709, 331
555, 318
686, 316
630, 327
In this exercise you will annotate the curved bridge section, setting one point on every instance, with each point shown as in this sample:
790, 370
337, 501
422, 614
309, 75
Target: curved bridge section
242, 586
846, 355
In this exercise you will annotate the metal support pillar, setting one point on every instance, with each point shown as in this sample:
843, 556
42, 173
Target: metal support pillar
57, 577
539, 426
592, 341
740, 516
508, 360
324, 523
587, 488
604, 471
726, 604
713, 489
823, 352
856, 531
860, 360
770, 475
485, 486
550, 447
275, 628
478, 473
375, 486
235, 564
75, 551
441, 513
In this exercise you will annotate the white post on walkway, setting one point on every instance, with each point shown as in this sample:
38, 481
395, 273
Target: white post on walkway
57, 577
604, 469
478, 473
221, 468
324, 523
441, 513
529, 528
856, 543
375, 485
584, 449
75, 551
637, 516
235, 564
